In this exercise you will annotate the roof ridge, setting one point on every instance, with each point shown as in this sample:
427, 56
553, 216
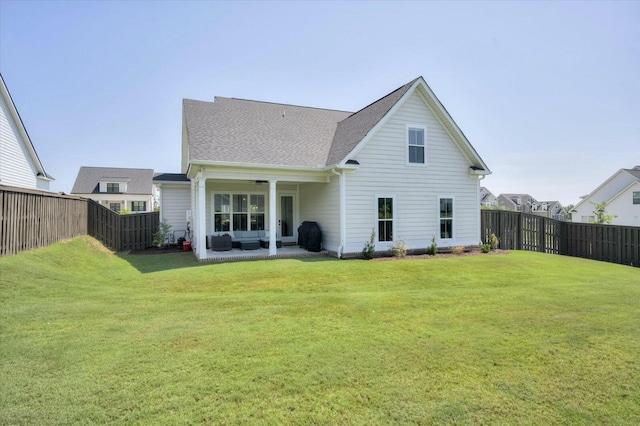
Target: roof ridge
279, 103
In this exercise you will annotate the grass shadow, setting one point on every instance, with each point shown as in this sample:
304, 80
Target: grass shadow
149, 263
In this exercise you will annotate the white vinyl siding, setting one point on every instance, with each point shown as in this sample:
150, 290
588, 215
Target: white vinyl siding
174, 202
320, 202
16, 166
383, 169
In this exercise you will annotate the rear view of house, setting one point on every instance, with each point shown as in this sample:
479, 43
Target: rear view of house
117, 188
399, 167
19, 162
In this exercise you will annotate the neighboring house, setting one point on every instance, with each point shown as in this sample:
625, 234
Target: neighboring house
487, 198
517, 202
174, 195
400, 166
550, 209
622, 194
19, 162
117, 188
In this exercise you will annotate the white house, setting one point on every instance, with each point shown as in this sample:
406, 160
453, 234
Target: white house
622, 194
19, 162
117, 188
400, 167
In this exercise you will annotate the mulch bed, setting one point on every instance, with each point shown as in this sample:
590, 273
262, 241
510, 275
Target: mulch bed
441, 255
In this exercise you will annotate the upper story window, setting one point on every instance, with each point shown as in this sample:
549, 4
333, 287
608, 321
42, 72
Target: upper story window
416, 138
636, 197
113, 187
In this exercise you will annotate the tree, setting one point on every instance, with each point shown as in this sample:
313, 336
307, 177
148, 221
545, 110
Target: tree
600, 212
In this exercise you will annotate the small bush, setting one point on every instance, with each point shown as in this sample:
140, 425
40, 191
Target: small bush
160, 237
494, 242
485, 248
457, 250
125, 211
399, 248
433, 248
370, 246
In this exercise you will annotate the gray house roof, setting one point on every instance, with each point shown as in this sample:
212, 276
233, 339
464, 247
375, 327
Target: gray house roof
170, 177
88, 179
240, 131
237, 131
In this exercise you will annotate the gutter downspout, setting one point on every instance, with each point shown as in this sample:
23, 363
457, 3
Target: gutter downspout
480, 210
343, 216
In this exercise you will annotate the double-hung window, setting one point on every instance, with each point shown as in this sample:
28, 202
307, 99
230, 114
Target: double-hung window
636, 197
238, 212
113, 187
138, 206
416, 146
385, 219
445, 217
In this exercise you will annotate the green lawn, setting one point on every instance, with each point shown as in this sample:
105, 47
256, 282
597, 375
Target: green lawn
87, 336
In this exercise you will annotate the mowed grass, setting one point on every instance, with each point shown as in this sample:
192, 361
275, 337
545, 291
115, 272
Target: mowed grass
87, 336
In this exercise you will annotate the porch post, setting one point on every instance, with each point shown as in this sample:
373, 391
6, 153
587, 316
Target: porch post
201, 227
272, 218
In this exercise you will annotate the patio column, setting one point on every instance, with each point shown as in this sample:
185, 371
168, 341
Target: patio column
201, 226
272, 217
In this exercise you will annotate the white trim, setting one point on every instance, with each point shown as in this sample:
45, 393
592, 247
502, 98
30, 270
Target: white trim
451, 240
272, 217
412, 126
384, 245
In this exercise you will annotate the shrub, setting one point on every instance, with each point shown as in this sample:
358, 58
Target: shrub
433, 248
457, 250
485, 248
160, 236
125, 211
494, 242
399, 248
369, 246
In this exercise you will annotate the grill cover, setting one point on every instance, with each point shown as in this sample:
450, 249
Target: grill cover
310, 236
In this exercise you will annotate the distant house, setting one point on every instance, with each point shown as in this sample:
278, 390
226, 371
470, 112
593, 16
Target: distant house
622, 194
117, 188
550, 209
487, 198
517, 202
19, 162
400, 167
525, 203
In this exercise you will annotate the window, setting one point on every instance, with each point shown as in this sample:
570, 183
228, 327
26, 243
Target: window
138, 206
222, 212
115, 207
636, 198
588, 219
113, 187
239, 212
416, 145
446, 218
385, 219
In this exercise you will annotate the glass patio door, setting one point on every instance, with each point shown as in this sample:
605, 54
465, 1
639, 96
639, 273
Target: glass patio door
286, 219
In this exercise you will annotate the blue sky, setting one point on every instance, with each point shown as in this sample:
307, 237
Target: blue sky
547, 92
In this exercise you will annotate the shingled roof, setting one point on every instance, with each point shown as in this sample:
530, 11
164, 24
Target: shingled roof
238, 131
88, 179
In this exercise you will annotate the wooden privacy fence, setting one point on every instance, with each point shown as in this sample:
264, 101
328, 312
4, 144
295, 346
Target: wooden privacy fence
30, 219
121, 232
521, 231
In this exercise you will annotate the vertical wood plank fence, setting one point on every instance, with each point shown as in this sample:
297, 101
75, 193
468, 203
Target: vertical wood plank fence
121, 232
521, 231
30, 219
